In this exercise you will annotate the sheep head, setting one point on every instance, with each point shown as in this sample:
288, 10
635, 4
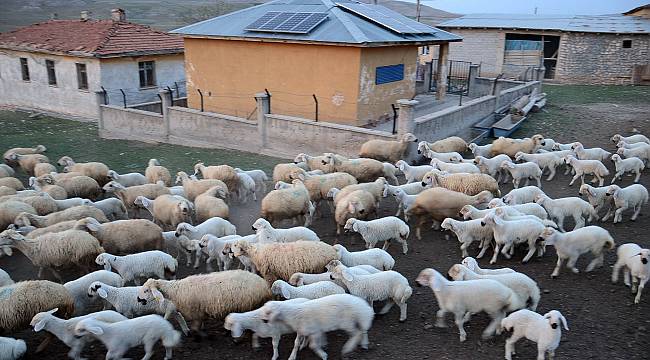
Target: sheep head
408, 137
538, 139
448, 224
9, 237
236, 330
40, 320
547, 236
113, 186
483, 197
616, 138
612, 190
260, 224
329, 159
239, 248
351, 224
23, 219
153, 162
644, 256
341, 273
430, 277
302, 157
554, 318
457, 272
66, 161
616, 158
89, 223
181, 176
466, 211
333, 264
422, 147
149, 291
470, 263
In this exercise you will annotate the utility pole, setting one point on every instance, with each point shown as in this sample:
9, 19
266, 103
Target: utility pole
417, 11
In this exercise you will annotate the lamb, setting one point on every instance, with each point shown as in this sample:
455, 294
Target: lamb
562, 147
511, 147
528, 170
357, 269
472, 264
281, 260
470, 184
213, 295
385, 229
632, 164
21, 301
64, 329
544, 330
55, 191
570, 245
480, 150
184, 245
167, 210
214, 226
632, 139
586, 167
300, 279
589, 154
12, 349
472, 296
21, 151
288, 203
510, 233
73, 213
641, 152
633, 196
575, 207
41, 169
427, 152
507, 213
452, 143
362, 169
634, 261
129, 179
453, 168
66, 249
124, 236
492, 166
626, 145
376, 258
468, 232
526, 209
358, 204
260, 178
390, 173
549, 160
526, 292
402, 192
224, 173
211, 204
267, 234
526, 194
386, 150
312, 319
119, 337
83, 304
113, 208
310, 291
132, 267
95, 170
154, 173
74, 186
598, 199
27, 162
5, 279
246, 187
218, 249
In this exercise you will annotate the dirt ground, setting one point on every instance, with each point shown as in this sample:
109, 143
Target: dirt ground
603, 320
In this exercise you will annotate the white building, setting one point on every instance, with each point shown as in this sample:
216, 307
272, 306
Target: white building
58, 65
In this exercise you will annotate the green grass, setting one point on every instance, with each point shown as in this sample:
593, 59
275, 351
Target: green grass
589, 94
80, 141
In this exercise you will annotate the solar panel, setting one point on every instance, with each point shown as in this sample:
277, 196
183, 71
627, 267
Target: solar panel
387, 18
287, 22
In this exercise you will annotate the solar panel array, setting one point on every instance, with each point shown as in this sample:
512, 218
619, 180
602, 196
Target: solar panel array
387, 18
287, 22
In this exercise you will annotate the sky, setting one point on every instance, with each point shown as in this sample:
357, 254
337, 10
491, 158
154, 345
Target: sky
569, 7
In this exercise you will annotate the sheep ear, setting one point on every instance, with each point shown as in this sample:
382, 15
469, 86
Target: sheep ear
355, 227
436, 286
95, 330
347, 275
39, 326
92, 226
102, 293
285, 292
157, 295
566, 327
7, 250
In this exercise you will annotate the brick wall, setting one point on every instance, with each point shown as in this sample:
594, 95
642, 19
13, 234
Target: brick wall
485, 47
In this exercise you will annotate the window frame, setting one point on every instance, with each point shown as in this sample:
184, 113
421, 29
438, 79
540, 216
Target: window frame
82, 76
50, 68
24, 69
626, 42
389, 74
147, 74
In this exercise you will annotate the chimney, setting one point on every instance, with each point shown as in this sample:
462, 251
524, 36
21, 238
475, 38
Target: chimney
85, 15
118, 15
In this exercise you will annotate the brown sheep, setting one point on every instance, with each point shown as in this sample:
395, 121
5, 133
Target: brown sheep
358, 204
10, 209
289, 203
74, 186
12, 182
194, 188
154, 173
21, 151
287, 172
95, 170
450, 144
470, 184
511, 147
211, 204
128, 195
225, 173
123, 237
73, 213
28, 162
387, 150
364, 170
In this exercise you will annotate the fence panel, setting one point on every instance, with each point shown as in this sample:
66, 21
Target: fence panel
457, 76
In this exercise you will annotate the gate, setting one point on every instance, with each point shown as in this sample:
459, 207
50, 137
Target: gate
457, 76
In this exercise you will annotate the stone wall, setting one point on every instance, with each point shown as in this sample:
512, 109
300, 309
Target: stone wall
117, 122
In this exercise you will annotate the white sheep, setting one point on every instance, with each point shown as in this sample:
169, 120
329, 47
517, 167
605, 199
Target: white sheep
413, 188
626, 145
598, 198
78, 288
587, 167
266, 233
113, 208
635, 261
260, 178
492, 166
510, 233
405, 201
632, 164
463, 297
309, 291
522, 195
12, 349
544, 330
246, 189
413, 173
589, 154
472, 264
214, 226
548, 144
5, 279
130, 179
453, 168
480, 150
469, 231
549, 160
527, 208
182, 245
426, 151
119, 337
574, 207
632, 139
633, 196
213, 246
133, 267
562, 147
385, 229
528, 170
641, 152
377, 258
300, 279
570, 245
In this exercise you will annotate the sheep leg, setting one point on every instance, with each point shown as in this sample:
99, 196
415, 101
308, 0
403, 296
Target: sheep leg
617, 175
551, 354
571, 264
463, 249
353, 341
168, 353
597, 261
315, 346
579, 220
515, 183
148, 350
405, 246
618, 214
494, 324
556, 271
275, 340
496, 254
510, 344
616, 270
574, 179
626, 277
389, 304
399, 210
638, 175
181, 321
484, 247
636, 212
440, 318
601, 180
539, 181
541, 352
551, 175
531, 251
634, 284
608, 214
459, 320
560, 223
642, 282
505, 249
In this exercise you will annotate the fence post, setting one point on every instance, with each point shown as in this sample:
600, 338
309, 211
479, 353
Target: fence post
263, 108
427, 76
268, 94
165, 104
100, 98
405, 119
123, 97
178, 91
201, 95
473, 74
316, 103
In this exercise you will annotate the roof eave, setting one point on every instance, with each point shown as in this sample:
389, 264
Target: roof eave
92, 54
329, 43
141, 53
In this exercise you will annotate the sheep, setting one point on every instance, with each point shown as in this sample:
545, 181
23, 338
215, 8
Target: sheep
214, 226
641, 152
400, 191
626, 145
452, 143
42, 203
548, 145
83, 304
575, 207
589, 154
526, 291
453, 168
632, 164
511, 147
113, 208
510, 233
55, 191
41, 169
376, 258
362, 169
120, 336
468, 232
213, 295
167, 210
312, 319
358, 204
470, 184
246, 187
27, 162
154, 173
375, 188
129, 179
70, 248
237, 323
21, 151
387, 150
5, 279
267, 234
21, 301
438, 204
218, 248
194, 188
544, 330
472, 264
74, 186
223, 173
6, 190
319, 185
480, 150
598, 199
12, 349
281, 260
6, 171
509, 214
524, 195
64, 329
633, 196
184, 245
357, 269
586, 167
95, 170
260, 178
132, 267
562, 147
472, 296
632, 139
211, 204
526, 209
310, 291
288, 203
547, 160
385, 229
33, 232
570, 245
284, 172
528, 170
390, 173
12, 182
124, 236
443, 156
634, 261
73, 213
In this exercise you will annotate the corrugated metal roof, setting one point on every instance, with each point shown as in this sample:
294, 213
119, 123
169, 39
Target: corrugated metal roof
340, 27
619, 24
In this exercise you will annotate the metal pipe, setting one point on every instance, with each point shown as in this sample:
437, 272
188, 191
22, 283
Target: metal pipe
123, 97
178, 91
201, 94
269, 96
161, 104
394, 117
316, 102
105, 95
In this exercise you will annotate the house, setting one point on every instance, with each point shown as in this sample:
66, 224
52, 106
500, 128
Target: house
58, 65
344, 62
584, 49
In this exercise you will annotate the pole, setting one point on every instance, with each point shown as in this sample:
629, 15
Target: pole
394, 117
269, 95
178, 91
316, 102
417, 11
123, 97
105, 95
161, 104
201, 94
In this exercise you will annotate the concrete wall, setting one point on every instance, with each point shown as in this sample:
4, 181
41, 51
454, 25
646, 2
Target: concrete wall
65, 98
480, 46
131, 124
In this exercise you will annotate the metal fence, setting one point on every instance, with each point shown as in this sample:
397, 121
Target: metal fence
457, 76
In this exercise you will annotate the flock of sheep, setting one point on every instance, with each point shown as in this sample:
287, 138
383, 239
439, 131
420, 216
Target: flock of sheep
61, 224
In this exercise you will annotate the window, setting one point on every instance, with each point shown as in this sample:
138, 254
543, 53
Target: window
51, 73
425, 50
147, 74
388, 74
24, 69
627, 44
82, 77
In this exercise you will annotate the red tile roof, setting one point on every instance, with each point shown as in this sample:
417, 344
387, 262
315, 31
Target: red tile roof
92, 38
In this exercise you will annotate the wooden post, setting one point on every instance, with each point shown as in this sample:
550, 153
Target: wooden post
442, 73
